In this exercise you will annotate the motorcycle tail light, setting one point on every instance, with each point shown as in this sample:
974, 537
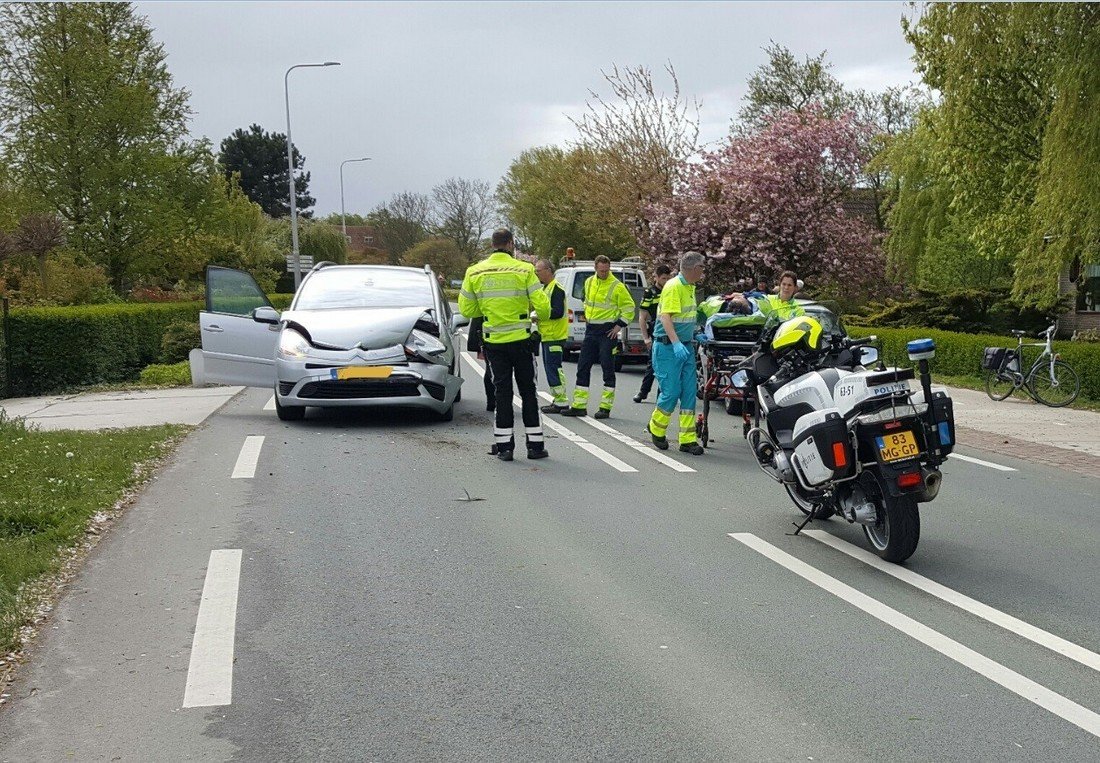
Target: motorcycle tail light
840, 455
908, 480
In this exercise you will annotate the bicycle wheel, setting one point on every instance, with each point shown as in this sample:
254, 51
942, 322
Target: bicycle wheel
1056, 387
999, 385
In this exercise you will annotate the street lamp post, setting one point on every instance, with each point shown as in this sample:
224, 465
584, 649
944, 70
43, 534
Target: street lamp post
290, 163
343, 219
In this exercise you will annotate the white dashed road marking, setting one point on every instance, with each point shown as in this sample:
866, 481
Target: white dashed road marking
979, 462
566, 434
210, 673
1033, 692
951, 596
615, 434
270, 406
248, 458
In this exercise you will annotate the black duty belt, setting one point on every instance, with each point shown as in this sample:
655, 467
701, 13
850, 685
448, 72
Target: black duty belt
666, 340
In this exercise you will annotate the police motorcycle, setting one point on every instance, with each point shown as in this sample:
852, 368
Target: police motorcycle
845, 435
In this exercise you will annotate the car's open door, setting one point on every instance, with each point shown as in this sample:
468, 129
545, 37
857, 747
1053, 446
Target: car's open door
236, 348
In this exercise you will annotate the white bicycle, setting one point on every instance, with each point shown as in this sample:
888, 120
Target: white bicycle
1049, 380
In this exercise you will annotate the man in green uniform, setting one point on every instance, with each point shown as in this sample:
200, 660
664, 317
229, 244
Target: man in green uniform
608, 308
554, 330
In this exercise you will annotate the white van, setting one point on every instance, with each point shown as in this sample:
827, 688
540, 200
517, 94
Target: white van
572, 275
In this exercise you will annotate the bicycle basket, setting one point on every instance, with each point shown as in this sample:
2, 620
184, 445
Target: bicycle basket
994, 358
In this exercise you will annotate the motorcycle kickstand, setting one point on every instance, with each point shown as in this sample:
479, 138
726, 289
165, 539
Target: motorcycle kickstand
809, 518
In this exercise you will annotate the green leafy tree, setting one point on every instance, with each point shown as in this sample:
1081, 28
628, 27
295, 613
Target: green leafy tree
786, 84
259, 159
442, 254
541, 197
1008, 153
93, 123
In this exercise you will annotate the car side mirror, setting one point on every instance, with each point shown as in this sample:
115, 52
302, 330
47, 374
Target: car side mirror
868, 356
458, 320
266, 315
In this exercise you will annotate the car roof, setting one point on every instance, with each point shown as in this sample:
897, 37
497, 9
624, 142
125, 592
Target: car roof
354, 266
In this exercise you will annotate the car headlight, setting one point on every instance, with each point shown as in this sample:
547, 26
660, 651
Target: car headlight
423, 343
292, 345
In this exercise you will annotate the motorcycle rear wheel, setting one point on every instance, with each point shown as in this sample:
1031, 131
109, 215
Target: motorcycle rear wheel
805, 505
896, 532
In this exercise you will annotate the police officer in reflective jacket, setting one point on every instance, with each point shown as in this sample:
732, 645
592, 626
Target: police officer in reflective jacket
608, 309
505, 291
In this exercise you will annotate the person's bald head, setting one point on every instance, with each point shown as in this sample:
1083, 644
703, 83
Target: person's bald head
544, 270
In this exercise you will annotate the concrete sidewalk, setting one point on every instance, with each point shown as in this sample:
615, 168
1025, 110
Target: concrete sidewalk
110, 410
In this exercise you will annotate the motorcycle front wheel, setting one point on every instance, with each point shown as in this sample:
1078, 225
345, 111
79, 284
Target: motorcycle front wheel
896, 531
805, 505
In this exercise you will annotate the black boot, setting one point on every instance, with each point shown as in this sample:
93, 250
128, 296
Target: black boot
574, 412
693, 448
536, 450
661, 443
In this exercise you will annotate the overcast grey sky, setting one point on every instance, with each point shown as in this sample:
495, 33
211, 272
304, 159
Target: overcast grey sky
433, 90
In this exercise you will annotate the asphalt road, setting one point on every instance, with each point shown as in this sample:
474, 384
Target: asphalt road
570, 610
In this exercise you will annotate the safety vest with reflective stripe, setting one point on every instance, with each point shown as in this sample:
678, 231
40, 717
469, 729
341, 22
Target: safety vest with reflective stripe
553, 329
678, 302
781, 308
607, 300
504, 291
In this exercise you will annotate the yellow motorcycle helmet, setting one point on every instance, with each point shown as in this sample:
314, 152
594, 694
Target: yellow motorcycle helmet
802, 332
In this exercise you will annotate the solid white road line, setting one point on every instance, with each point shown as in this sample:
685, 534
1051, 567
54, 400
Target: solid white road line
210, 673
554, 426
978, 461
248, 458
615, 434
270, 406
974, 607
1036, 693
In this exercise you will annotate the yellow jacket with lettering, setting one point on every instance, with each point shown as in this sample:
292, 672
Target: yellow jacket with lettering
504, 291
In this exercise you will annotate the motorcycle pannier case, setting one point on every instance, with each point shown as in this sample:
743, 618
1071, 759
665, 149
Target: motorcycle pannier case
822, 450
993, 358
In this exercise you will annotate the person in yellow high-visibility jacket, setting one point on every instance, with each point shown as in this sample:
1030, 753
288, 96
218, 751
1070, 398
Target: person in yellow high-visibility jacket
505, 291
608, 308
554, 331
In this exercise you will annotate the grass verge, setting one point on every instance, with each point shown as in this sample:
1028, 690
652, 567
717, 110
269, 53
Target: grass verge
54, 484
172, 375
971, 382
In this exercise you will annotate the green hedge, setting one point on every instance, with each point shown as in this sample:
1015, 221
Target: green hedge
61, 348
961, 354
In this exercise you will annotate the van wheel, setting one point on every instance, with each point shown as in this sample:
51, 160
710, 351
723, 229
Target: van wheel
289, 412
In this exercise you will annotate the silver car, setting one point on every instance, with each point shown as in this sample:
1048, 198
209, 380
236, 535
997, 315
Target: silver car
355, 335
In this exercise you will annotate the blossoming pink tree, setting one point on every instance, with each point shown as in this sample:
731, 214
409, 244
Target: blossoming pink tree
772, 201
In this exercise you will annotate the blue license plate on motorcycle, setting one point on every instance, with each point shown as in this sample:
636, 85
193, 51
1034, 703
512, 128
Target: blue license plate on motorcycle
897, 446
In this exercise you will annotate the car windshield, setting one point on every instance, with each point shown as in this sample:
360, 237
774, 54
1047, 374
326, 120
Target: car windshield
345, 288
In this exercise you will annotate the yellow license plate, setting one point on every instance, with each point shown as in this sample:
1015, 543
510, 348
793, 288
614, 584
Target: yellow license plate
897, 446
364, 372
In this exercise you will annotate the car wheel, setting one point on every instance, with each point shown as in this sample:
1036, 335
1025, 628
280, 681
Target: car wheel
289, 412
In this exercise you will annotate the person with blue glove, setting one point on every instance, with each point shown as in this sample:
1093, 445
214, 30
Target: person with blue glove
674, 356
